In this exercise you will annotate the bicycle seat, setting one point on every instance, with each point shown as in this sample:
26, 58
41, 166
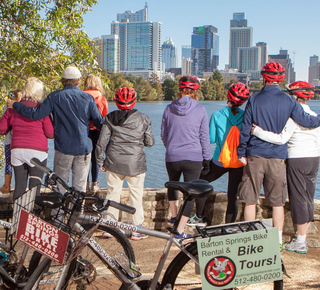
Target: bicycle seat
194, 188
49, 201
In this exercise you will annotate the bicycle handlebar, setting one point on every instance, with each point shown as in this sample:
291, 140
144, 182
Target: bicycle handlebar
103, 203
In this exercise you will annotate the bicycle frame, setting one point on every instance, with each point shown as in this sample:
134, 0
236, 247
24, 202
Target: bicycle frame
132, 228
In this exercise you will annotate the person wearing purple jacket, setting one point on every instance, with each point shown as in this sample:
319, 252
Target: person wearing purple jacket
185, 135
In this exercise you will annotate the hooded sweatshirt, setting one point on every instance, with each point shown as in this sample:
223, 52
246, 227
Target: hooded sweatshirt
185, 131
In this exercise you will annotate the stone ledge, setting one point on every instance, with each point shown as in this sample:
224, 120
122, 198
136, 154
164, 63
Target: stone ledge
157, 212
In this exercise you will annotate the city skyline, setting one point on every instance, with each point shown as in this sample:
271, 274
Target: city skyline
284, 26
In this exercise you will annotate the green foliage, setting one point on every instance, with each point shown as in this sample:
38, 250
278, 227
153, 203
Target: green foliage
40, 38
212, 89
217, 76
170, 89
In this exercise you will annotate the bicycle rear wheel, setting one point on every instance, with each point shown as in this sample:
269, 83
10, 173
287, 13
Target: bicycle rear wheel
183, 273
90, 270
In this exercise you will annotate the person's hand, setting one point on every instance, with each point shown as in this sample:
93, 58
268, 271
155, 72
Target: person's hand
243, 160
10, 103
103, 169
252, 128
205, 167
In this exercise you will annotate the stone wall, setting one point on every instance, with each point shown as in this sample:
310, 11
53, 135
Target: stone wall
157, 212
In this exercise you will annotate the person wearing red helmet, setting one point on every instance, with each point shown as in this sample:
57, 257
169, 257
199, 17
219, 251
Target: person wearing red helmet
185, 135
120, 153
302, 165
220, 124
264, 162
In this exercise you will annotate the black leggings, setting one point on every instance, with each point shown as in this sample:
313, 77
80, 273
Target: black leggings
191, 170
21, 174
234, 178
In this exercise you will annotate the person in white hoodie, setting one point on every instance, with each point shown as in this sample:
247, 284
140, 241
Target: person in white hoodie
302, 165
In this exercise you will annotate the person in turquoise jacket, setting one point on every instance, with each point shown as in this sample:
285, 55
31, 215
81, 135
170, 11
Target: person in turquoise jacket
220, 125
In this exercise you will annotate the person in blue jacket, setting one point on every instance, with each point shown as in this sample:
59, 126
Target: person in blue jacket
270, 109
220, 125
72, 109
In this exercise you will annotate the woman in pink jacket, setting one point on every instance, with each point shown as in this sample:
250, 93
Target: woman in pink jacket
93, 86
29, 138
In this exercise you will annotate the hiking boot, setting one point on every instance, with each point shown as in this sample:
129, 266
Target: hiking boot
171, 221
197, 221
183, 235
294, 246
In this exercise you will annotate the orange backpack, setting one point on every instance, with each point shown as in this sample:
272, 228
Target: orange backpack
228, 155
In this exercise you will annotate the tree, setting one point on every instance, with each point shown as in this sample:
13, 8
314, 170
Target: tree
170, 89
117, 81
217, 76
155, 83
41, 37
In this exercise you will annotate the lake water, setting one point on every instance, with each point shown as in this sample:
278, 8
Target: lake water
156, 172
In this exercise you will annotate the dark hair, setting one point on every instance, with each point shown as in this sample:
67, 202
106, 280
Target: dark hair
75, 82
234, 108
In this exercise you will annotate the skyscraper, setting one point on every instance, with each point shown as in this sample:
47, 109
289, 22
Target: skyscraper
138, 16
169, 54
250, 61
240, 36
314, 70
204, 49
108, 58
139, 39
185, 51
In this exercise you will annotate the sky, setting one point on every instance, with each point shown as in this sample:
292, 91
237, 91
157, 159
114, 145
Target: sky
282, 24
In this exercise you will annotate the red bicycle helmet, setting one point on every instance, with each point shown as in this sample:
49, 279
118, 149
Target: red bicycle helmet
125, 98
273, 72
190, 82
302, 89
238, 93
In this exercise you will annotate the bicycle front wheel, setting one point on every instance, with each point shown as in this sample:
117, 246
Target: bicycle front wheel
91, 269
47, 275
183, 272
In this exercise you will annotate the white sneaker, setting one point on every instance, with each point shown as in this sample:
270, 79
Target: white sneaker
95, 186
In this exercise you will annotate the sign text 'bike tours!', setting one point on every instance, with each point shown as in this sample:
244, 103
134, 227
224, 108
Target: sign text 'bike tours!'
239, 259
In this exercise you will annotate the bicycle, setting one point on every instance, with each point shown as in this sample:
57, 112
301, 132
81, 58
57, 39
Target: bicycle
185, 264
14, 273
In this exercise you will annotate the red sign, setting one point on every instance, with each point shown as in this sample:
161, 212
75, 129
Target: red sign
42, 236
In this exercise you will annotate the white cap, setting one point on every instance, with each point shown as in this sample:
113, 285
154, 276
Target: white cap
71, 73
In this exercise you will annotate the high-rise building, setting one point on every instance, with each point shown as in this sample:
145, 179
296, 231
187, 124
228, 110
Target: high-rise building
139, 16
284, 59
264, 52
186, 66
314, 70
108, 58
185, 51
204, 49
240, 36
139, 41
250, 61
169, 54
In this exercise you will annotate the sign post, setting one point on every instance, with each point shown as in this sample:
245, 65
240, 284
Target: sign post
239, 259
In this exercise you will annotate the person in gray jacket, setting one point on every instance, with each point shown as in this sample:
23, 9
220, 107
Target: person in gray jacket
122, 139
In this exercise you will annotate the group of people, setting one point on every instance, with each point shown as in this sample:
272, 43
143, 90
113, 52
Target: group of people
278, 133
84, 132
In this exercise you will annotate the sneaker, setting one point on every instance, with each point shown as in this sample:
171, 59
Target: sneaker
95, 186
171, 221
183, 235
293, 246
197, 221
106, 235
138, 236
